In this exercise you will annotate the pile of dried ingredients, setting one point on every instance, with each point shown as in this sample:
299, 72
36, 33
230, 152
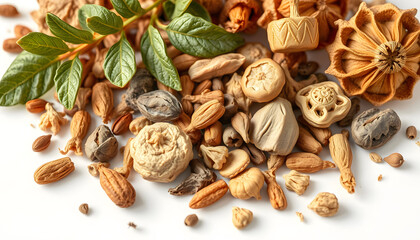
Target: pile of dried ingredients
203, 98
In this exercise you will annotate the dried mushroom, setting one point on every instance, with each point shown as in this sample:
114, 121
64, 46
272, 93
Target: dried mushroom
159, 106
221, 65
200, 177
161, 152
240, 15
376, 53
263, 80
248, 184
142, 82
294, 33
323, 104
101, 145
214, 157
274, 127
237, 161
253, 51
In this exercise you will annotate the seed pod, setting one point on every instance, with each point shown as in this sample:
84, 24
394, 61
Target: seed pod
240, 122
275, 193
118, 189
53, 171
206, 96
206, 115
187, 85
395, 160
102, 101
21, 30
213, 134
78, 128
201, 87
307, 162
128, 161
101, 145
142, 82
209, 195
184, 61
187, 107
411, 132
307, 143
321, 134
214, 157
159, 106
121, 124
41, 143
231, 137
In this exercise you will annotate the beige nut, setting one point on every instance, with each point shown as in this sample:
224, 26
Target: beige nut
296, 181
323, 104
325, 204
263, 80
237, 161
248, 184
241, 217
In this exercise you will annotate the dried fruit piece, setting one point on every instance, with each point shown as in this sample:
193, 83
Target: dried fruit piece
159, 106
84, 208
121, 124
307, 143
53, 171
209, 195
78, 128
253, 51
247, 184
274, 191
257, 156
206, 115
214, 157
52, 119
183, 122
240, 122
307, 162
213, 134
274, 162
102, 101
101, 145
41, 143
233, 88
395, 160
237, 161
263, 80
7, 10
342, 155
205, 96
36, 105
138, 124
241, 217
374, 127
411, 132
187, 85
375, 157
200, 177
296, 182
231, 137
118, 189
321, 134
325, 204
191, 220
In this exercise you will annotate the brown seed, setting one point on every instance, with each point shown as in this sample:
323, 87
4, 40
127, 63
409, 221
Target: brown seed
41, 143
307, 162
36, 105
118, 189
53, 171
307, 143
300, 215
133, 225
380, 177
7, 10
411, 132
191, 220
122, 124
10, 45
209, 195
206, 115
395, 160
84, 208
21, 31
375, 157
206, 84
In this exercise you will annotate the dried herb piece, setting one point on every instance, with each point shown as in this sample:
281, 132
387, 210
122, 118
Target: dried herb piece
101, 145
200, 177
159, 106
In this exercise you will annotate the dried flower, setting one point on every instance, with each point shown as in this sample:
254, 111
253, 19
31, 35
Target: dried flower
52, 119
78, 127
240, 15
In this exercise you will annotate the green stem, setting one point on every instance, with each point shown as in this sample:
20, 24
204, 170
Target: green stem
160, 24
135, 17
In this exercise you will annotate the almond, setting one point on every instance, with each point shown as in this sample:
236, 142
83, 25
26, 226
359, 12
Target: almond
21, 31
206, 115
118, 189
36, 105
122, 124
53, 171
41, 143
7, 10
10, 46
307, 162
209, 195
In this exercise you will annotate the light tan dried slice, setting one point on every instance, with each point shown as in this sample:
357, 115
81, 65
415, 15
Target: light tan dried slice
237, 161
209, 195
240, 122
53, 171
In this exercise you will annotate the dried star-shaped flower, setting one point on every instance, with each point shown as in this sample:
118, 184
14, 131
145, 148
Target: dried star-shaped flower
376, 53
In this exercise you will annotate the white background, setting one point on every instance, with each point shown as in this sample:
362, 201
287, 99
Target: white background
388, 209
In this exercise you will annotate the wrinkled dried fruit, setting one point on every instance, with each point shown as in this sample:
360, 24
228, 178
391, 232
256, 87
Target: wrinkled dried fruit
275, 193
206, 115
213, 134
101, 145
138, 124
307, 143
374, 127
325, 204
142, 82
199, 178
231, 137
395, 160
53, 171
118, 189
41, 143
307, 162
241, 217
257, 156
247, 184
237, 161
296, 182
240, 122
214, 157
209, 195
159, 106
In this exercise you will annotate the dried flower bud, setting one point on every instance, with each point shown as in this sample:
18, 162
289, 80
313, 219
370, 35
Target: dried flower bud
101, 145
52, 119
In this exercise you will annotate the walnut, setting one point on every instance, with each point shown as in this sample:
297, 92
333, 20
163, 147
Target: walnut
161, 152
241, 217
296, 181
376, 53
325, 204
248, 184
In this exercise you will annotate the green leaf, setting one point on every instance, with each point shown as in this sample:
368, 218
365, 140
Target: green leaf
194, 9
197, 37
127, 8
180, 7
28, 77
67, 81
99, 19
67, 32
120, 63
42, 44
155, 57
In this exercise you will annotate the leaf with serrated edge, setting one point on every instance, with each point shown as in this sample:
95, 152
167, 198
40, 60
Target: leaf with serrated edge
155, 57
197, 37
28, 77
42, 44
194, 9
106, 17
180, 7
127, 8
67, 32
67, 81
120, 63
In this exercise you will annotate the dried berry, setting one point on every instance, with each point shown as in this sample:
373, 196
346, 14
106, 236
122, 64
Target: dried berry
84, 208
191, 220
411, 132
101, 145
